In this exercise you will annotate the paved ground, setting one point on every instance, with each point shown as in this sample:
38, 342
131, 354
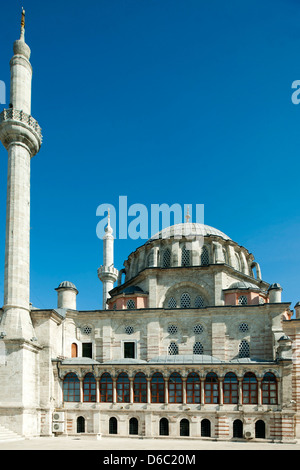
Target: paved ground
130, 445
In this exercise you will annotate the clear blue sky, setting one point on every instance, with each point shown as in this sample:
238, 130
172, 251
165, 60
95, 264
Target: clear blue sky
164, 101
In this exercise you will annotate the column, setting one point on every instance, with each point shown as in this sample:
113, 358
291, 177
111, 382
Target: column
221, 380
114, 379
202, 397
131, 390
184, 379
166, 391
148, 390
240, 388
259, 381
97, 389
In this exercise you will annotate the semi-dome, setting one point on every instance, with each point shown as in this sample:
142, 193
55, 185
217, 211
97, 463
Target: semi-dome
242, 285
188, 229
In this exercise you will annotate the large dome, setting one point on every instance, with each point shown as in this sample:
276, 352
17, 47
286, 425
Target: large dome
188, 229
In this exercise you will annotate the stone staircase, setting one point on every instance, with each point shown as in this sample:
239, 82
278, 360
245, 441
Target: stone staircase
7, 435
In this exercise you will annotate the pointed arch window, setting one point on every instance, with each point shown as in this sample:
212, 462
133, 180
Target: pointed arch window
198, 348
185, 257
175, 388
157, 388
173, 349
193, 388
244, 349
167, 258
199, 302
230, 389
250, 389
140, 388
185, 300
172, 303
106, 388
204, 256
211, 387
269, 389
123, 388
71, 388
89, 388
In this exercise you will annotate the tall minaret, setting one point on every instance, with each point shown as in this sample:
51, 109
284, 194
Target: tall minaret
21, 136
107, 273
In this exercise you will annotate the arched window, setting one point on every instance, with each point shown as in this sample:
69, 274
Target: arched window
185, 257
244, 349
150, 259
173, 349
205, 428
250, 389
133, 426
71, 388
260, 429
193, 388
184, 427
238, 429
106, 388
204, 257
89, 388
113, 426
157, 388
269, 389
198, 348
123, 388
130, 304
230, 389
243, 300
140, 388
74, 351
175, 388
211, 387
238, 262
199, 302
185, 300
164, 427
80, 425
167, 258
172, 303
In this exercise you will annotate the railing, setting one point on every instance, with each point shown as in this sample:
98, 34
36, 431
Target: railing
16, 115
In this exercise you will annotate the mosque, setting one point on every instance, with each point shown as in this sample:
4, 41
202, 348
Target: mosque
190, 341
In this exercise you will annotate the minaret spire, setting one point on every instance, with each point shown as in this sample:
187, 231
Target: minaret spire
22, 34
107, 272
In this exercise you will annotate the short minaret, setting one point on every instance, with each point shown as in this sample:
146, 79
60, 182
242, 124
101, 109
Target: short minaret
21, 136
107, 273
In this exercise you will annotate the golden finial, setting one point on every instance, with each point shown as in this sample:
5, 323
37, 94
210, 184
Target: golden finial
23, 18
22, 35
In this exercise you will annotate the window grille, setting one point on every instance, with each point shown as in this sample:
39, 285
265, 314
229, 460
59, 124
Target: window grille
150, 259
87, 330
199, 302
243, 300
244, 349
198, 348
185, 301
198, 329
173, 349
204, 257
131, 304
185, 257
129, 330
167, 258
172, 329
243, 327
172, 303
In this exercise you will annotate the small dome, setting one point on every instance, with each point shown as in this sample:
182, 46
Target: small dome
66, 285
21, 48
275, 286
132, 290
243, 285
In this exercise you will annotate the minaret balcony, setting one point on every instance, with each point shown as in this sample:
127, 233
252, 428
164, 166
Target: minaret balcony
108, 273
17, 126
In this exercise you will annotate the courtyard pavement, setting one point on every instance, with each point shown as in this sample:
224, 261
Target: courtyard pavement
107, 444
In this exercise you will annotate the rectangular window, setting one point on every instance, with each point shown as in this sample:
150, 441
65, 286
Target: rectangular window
129, 350
87, 350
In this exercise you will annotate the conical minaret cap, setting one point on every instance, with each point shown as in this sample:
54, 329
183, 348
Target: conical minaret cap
20, 46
